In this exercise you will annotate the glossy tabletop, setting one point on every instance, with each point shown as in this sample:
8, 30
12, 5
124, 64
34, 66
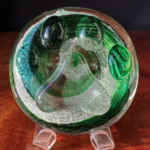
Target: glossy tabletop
131, 132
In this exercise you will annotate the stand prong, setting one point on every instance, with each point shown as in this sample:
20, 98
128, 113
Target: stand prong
102, 139
44, 138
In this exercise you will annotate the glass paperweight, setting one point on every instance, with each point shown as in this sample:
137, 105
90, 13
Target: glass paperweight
74, 71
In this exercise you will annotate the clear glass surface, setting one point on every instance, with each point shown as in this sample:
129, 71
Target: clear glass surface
73, 70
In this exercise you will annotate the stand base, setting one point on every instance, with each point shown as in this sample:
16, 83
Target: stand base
45, 138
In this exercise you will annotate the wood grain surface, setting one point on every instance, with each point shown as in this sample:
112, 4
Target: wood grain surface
131, 132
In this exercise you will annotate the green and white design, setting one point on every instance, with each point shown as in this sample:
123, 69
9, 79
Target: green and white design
71, 71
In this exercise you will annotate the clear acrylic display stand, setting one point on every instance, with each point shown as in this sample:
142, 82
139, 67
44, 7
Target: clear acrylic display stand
45, 138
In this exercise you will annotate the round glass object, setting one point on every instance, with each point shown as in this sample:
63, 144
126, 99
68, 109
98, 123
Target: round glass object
73, 70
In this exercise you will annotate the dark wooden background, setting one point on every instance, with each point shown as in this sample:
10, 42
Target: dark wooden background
131, 132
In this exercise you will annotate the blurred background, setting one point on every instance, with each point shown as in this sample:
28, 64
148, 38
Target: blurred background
131, 14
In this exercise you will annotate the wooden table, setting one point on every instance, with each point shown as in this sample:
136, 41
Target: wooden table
131, 132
